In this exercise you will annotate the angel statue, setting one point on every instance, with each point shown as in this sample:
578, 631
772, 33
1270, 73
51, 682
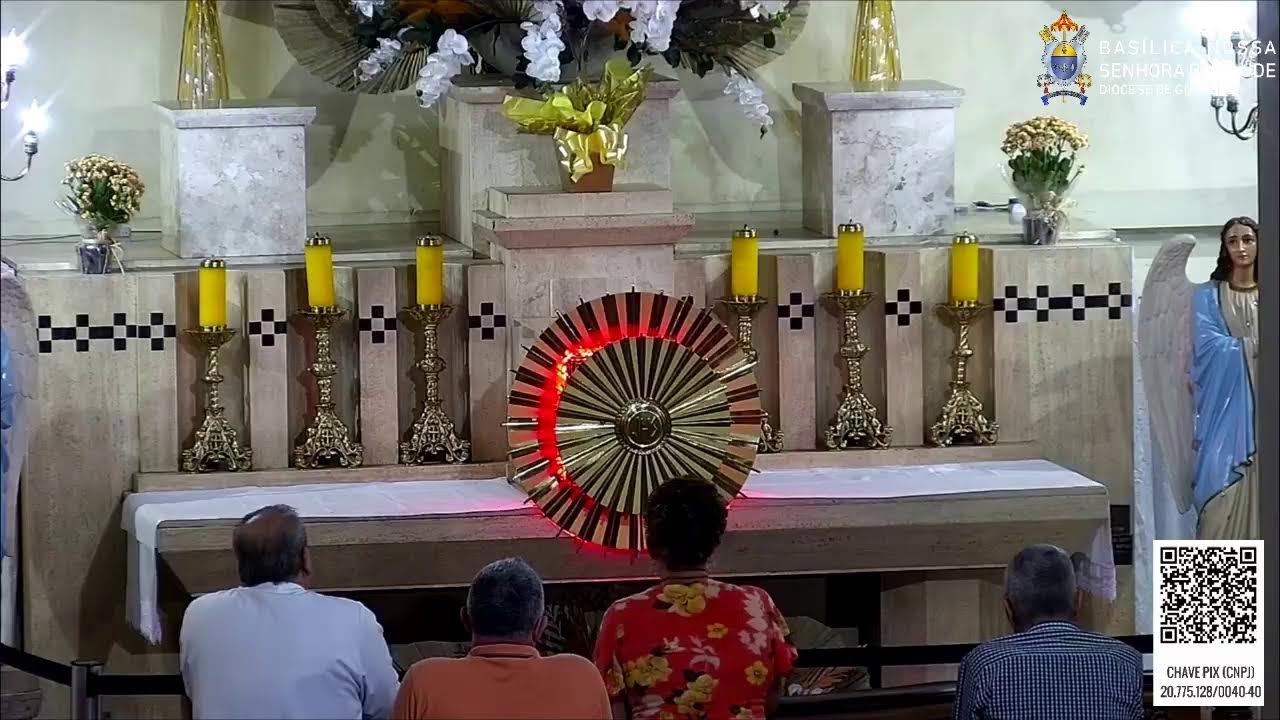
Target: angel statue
1199, 350
17, 377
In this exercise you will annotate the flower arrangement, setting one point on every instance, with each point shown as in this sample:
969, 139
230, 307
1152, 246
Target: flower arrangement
586, 119
1043, 163
104, 192
557, 38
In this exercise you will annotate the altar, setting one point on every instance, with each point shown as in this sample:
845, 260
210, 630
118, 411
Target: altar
936, 524
824, 520
905, 429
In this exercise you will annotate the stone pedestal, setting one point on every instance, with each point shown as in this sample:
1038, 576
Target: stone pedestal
603, 243
234, 179
880, 154
481, 149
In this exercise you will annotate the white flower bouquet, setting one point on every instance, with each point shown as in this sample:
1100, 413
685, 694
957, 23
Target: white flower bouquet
544, 43
1043, 162
102, 191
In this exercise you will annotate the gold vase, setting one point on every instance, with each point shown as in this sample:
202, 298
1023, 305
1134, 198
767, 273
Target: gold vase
875, 44
202, 69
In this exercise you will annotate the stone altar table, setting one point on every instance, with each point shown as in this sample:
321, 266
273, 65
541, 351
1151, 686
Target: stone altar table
788, 522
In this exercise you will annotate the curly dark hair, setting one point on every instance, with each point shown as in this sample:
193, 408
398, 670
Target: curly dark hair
684, 521
1222, 273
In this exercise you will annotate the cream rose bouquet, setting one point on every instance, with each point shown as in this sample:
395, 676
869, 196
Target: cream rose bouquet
103, 192
1044, 163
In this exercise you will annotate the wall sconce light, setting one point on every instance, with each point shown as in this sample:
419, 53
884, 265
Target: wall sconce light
1230, 57
35, 118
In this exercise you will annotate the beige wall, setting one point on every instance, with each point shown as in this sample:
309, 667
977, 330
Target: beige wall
1154, 161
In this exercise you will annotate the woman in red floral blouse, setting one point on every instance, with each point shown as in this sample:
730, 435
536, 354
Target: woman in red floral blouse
692, 647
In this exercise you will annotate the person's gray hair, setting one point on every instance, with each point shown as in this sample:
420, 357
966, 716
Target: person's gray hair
505, 600
1040, 584
269, 544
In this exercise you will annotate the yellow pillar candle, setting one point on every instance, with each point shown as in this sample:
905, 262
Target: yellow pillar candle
430, 257
964, 268
744, 263
213, 293
850, 258
319, 255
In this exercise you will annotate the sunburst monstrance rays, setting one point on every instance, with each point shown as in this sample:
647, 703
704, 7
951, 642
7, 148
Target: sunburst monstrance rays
619, 396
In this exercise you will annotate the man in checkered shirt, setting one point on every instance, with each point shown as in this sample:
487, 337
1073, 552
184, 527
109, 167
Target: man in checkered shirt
1049, 669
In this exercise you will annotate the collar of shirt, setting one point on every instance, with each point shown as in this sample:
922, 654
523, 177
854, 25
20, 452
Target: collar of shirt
284, 588
1051, 626
504, 650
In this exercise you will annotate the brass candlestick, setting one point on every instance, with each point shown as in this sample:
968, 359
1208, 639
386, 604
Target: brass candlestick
961, 419
328, 440
744, 308
216, 446
432, 436
856, 423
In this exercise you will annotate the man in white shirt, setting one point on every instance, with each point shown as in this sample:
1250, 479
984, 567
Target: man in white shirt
273, 649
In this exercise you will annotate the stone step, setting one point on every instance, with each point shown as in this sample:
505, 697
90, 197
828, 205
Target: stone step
552, 201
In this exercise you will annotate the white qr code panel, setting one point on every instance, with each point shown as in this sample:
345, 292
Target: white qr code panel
1208, 623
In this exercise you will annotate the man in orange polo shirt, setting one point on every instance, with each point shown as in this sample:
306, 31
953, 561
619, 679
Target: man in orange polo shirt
503, 676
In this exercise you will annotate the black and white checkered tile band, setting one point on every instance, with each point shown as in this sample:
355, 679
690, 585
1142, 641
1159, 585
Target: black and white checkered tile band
119, 332
1078, 303
902, 307
796, 311
378, 325
266, 328
486, 321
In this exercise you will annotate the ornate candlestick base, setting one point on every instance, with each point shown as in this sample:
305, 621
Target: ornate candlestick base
856, 422
328, 440
744, 308
217, 447
432, 437
961, 419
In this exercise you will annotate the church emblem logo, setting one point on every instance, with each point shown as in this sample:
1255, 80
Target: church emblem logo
1064, 61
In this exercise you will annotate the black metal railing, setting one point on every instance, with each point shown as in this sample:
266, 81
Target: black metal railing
87, 683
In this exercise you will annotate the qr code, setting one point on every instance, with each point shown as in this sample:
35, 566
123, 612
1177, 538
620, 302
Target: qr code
1208, 594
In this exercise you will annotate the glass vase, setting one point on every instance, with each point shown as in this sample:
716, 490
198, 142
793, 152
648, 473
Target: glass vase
202, 69
875, 44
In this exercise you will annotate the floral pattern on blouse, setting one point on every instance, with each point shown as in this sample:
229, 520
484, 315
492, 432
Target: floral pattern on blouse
706, 649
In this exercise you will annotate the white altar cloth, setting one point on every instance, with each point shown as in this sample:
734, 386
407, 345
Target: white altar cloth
145, 512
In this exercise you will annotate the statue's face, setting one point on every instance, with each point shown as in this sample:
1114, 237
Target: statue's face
1242, 245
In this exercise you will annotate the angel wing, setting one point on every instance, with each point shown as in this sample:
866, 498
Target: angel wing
17, 320
1164, 348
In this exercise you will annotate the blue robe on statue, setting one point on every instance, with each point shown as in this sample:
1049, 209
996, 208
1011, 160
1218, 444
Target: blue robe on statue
1224, 422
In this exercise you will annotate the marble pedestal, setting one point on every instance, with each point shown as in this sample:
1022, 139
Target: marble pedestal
234, 179
601, 243
481, 149
880, 154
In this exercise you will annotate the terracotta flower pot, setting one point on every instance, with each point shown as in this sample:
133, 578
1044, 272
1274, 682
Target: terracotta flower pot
598, 180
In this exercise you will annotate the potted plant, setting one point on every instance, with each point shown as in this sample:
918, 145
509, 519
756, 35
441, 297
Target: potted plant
1043, 167
103, 194
387, 45
586, 119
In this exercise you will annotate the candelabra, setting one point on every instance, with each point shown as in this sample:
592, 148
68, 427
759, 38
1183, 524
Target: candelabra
961, 419
744, 308
856, 423
327, 440
1240, 55
13, 53
216, 445
432, 436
